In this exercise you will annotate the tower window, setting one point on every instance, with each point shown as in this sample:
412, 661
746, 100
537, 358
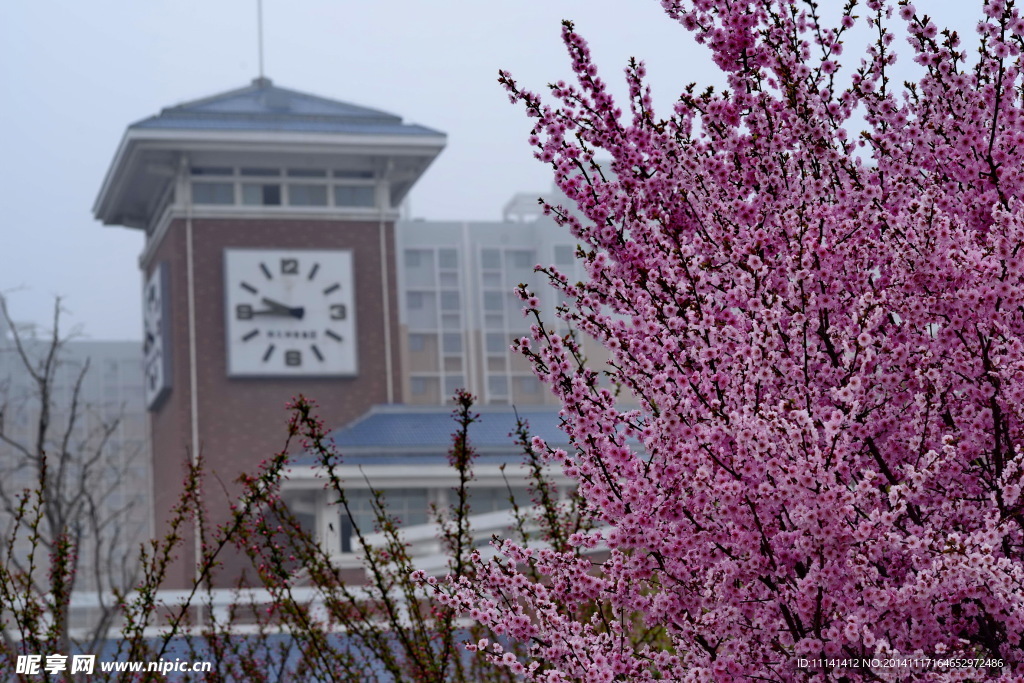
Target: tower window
307, 195
354, 195
212, 170
213, 193
261, 195
306, 173
260, 172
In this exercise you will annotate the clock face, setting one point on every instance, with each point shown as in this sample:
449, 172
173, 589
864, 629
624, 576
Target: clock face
155, 340
290, 313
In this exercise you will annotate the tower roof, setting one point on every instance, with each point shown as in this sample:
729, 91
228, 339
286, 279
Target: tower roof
259, 124
263, 106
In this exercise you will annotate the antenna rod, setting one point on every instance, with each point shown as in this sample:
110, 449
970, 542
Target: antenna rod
259, 21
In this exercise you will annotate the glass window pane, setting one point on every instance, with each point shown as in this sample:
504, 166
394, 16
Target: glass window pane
490, 258
493, 301
407, 506
492, 499
360, 504
498, 342
260, 172
449, 258
520, 259
497, 385
340, 173
449, 301
307, 173
453, 383
527, 385
307, 195
261, 195
212, 170
417, 342
213, 193
452, 342
354, 195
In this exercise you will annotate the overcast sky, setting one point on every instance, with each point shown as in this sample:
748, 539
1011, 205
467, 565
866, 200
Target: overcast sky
74, 75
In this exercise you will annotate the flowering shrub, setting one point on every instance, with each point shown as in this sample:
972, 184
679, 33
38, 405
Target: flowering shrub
812, 282
386, 627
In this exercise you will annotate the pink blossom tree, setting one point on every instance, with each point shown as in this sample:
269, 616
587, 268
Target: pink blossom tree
812, 282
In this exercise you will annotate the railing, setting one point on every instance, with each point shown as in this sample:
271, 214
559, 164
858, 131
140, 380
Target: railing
425, 550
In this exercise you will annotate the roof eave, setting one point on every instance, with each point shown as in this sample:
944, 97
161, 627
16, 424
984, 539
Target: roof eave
135, 139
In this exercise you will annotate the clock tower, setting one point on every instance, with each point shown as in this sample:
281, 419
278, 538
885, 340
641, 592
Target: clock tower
268, 271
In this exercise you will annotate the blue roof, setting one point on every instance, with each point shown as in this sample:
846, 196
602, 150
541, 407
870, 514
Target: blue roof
423, 434
263, 106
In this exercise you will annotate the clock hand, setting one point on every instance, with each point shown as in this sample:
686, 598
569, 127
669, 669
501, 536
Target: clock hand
277, 308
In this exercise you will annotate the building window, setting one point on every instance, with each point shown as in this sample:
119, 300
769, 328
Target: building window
448, 258
261, 195
493, 301
212, 170
414, 299
564, 254
419, 386
490, 258
259, 172
407, 506
498, 342
453, 383
354, 195
449, 301
497, 385
307, 195
520, 259
417, 342
306, 173
527, 385
213, 193
452, 342
493, 499
340, 173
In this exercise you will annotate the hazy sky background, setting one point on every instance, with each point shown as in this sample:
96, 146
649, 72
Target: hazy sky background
74, 75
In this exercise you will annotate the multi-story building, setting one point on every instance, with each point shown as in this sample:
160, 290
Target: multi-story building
273, 266
81, 409
459, 310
